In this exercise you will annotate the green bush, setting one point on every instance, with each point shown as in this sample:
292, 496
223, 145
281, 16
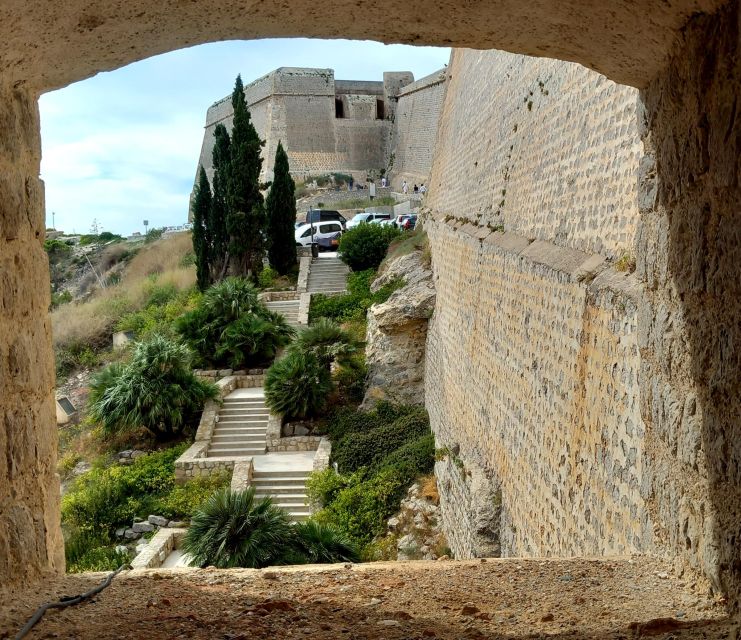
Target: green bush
233, 529
362, 508
109, 497
368, 448
297, 386
322, 487
183, 500
86, 552
327, 341
364, 247
319, 543
414, 459
228, 326
348, 420
267, 277
156, 390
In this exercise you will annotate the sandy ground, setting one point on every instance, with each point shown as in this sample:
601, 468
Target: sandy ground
604, 598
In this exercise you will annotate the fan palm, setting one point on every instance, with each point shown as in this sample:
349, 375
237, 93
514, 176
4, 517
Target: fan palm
324, 543
297, 385
233, 529
327, 341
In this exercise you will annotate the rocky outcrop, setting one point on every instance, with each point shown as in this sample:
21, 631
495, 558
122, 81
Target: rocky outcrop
397, 332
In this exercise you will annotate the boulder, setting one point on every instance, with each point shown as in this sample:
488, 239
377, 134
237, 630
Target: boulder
142, 527
158, 521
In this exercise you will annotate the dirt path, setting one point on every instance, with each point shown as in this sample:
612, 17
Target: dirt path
613, 598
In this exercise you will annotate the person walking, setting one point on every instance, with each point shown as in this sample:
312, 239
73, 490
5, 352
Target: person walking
372, 190
404, 187
423, 189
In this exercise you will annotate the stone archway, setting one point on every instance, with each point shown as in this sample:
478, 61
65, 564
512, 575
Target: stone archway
684, 57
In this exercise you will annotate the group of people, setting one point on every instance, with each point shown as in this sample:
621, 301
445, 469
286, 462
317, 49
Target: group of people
421, 190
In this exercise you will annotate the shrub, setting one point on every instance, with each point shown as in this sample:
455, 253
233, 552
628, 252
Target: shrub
252, 339
317, 542
186, 499
109, 497
362, 508
322, 487
86, 552
350, 420
297, 385
364, 247
156, 390
327, 341
267, 277
413, 459
232, 529
368, 448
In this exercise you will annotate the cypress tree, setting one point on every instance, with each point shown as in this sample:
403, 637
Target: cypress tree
218, 219
280, 208
202, 241
245, 209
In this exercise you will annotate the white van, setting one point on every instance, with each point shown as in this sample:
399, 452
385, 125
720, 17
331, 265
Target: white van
321, 230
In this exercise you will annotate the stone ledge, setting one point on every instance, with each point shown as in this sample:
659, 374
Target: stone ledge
162, 544
303, 273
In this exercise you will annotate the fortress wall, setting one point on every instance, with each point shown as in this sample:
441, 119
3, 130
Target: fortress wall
548, 149
415, 128
533, 363
363, 142
532, 385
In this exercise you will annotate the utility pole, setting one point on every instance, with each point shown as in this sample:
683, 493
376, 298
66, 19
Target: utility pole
53, 224
146, 224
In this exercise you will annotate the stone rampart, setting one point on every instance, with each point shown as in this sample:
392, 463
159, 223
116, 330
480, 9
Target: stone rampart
415, 129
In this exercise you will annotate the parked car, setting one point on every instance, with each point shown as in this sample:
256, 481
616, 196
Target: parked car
408, 223
321, 230
329, 243
367, 217
398, 219
325, 215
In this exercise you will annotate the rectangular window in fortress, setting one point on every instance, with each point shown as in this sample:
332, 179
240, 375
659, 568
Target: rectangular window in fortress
339, 108
380, 109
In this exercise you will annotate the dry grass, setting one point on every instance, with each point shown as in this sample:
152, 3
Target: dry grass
428, 488
91, 322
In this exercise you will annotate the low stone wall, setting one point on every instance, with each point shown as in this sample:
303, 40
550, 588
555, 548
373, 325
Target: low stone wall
277, 443
304, 266
279, 296
162, 544
303, 309
242, 475
323, 453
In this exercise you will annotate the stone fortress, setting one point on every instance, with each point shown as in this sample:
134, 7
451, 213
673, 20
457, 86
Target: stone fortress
348, 126
583, 361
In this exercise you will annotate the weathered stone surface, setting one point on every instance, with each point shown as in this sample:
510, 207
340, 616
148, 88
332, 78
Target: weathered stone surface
158, 521
396, 334
142, 527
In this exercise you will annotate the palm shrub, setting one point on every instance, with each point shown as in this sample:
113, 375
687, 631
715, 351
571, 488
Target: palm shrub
230, 326
297, 385
156, 390
233, 529
318, 543
327, 341
364, 247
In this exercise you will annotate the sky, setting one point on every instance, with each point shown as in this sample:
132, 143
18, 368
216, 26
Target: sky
122, 147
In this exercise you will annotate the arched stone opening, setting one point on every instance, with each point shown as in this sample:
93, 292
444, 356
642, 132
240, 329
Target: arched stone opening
688, 241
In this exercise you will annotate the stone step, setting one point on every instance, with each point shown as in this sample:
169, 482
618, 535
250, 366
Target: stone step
280, 477
229, 428
246, 439
244, 404
225, 451
282, 488
244, 411
283, 498
246, 420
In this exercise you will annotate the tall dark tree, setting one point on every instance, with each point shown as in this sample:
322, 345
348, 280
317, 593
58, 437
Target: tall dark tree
218, 220
280, 208
202, 240
246, 212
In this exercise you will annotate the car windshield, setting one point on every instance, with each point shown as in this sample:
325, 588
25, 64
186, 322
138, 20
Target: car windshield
306, 233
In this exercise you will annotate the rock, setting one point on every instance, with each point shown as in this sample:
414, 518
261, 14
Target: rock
142, 527
548, 617
176, 524
393, 524
389, 623
301, 430
120, 532
122, 549
81, 467
374, 602
137, 454
158, 521
125, 454
130, 534
406, 542
443, 558
469, 609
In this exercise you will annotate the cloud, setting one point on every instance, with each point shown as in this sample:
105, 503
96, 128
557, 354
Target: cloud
123, 146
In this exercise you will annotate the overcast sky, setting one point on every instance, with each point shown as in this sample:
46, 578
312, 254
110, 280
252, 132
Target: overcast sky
123, 146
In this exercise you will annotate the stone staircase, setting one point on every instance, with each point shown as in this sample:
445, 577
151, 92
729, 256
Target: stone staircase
287, 308
241, 426
327, 275
287, 488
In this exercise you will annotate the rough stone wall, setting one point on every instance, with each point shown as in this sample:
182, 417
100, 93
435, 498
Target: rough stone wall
548, 149
417, 114
532, 380
30, 535
689, 259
